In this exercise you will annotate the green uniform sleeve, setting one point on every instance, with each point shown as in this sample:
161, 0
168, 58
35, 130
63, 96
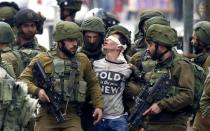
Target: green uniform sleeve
27, 74
94, 89
183, 77
205, 99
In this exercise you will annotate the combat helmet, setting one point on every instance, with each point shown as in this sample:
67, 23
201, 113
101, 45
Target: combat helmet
93, 24
147, 14
67, 30
28, 15
202, 30
108, 18
8, 11
70, 4
6, 33
156, 20
162, 35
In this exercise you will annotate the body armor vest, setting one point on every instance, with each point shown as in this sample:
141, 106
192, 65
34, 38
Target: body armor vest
69, 81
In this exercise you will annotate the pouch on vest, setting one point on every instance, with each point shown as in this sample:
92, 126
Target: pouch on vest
6, 90
27, 110
80, 94
155, 75
62, 70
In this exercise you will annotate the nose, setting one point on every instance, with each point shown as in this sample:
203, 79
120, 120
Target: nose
92, 40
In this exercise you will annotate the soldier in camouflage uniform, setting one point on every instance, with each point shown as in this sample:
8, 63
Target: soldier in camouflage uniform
68, 9
93, 30
141, 59
169, 113
28, 23
201, 44
56, 63
202, 119
16, 107
7, 37
8, 55
139, 44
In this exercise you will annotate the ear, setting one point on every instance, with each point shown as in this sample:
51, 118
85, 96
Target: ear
120, 48
162, 48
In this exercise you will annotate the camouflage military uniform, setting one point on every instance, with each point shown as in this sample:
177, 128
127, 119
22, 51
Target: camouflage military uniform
15, 111
202, 33
141, 59
204, 111
23, 16
16, 106
200, 42
20, 55
170, 113
139, 36
93, 49
7, 37
44, 120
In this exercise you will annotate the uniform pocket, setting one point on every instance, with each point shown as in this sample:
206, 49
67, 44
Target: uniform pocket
5, 91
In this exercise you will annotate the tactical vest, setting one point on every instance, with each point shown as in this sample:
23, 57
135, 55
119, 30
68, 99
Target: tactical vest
15, 105
154, 75
69, 81
8, 108
24, 57
199, 76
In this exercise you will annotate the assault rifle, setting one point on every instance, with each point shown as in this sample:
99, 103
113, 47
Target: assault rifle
145, 99
46, 83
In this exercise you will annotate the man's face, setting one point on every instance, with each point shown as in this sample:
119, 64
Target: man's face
151, 49
71, 45
197, 45
110, 44
28, 30
91, 37
194, 40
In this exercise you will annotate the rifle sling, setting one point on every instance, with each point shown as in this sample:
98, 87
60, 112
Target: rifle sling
72, 76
